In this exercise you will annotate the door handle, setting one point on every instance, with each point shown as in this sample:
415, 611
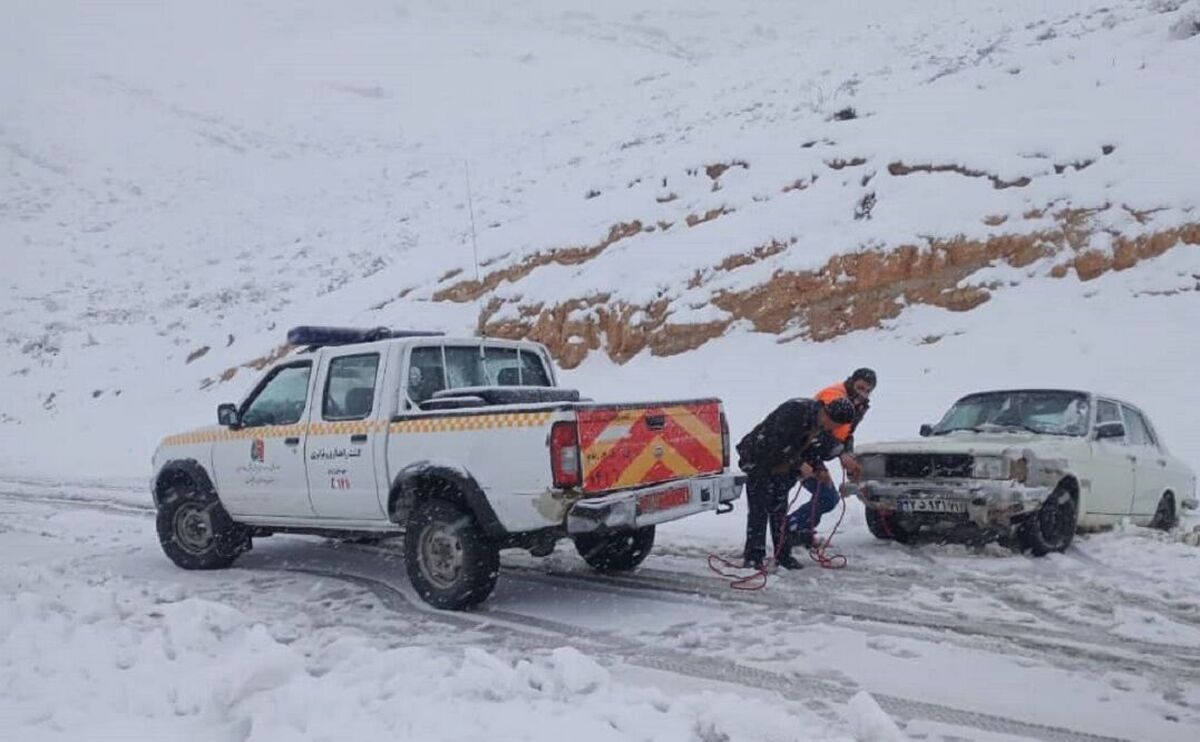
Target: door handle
291, 441
358, 438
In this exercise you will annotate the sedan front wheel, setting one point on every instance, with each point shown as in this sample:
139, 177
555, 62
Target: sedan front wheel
1052, 527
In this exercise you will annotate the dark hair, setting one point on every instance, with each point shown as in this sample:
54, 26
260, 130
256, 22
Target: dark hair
865, 374
840, 410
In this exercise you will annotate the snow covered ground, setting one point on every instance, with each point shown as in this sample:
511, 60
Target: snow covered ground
181, 182
102, 638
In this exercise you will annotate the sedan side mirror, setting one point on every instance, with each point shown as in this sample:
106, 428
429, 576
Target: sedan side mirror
1110, 430
926, 430
227, 415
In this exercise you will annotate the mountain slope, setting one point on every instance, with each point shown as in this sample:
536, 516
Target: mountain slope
182, 184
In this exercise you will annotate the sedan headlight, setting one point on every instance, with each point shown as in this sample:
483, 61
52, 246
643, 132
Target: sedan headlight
988, 467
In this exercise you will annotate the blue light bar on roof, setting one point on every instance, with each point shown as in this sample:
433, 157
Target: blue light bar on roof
313, 335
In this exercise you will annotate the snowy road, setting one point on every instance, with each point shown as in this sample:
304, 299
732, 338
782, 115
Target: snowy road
950, 641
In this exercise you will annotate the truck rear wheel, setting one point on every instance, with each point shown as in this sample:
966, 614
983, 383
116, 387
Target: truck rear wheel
451, 563
615, 552
194, 529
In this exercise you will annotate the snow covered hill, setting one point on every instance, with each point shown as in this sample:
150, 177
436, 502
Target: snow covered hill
184, 182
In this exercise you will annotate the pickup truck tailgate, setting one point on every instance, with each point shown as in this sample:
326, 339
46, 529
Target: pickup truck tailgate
631, 445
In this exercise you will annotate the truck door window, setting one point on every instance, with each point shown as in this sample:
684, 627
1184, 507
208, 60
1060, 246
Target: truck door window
464, 367
350, 387
281, 399
426, 373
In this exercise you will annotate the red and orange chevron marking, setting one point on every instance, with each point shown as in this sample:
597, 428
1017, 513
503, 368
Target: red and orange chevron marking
630, 446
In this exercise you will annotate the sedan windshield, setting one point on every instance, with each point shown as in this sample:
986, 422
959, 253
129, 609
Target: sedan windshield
1047, 412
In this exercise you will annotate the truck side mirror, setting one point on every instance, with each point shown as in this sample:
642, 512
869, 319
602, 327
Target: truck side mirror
227, 415
1110, 430
926, 430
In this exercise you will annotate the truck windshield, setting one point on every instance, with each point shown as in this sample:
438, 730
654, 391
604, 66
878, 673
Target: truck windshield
1046, 412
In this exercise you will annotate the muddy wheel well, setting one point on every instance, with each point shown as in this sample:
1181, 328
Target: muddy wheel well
186, 472
1072, 486
405, 494
445, 483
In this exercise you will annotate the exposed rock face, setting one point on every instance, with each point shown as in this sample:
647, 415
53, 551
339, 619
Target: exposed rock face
852, 291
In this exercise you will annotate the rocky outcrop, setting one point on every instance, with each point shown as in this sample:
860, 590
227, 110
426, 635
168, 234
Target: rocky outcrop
852, 291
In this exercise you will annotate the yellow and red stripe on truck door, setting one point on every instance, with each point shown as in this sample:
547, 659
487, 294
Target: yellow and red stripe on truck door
630, 445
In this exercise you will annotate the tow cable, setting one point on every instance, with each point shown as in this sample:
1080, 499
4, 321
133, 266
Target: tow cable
818, 552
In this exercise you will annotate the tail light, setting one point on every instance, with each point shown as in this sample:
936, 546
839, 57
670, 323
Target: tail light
564, 454
724, 441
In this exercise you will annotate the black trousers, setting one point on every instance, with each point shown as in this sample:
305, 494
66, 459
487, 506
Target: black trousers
766, 499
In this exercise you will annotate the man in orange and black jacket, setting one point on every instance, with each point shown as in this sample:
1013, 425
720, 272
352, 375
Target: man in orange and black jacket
835, 444
784, 447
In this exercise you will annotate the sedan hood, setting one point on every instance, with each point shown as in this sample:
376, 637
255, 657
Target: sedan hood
964, 442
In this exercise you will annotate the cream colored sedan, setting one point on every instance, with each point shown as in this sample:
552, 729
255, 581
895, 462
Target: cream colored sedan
1032, 465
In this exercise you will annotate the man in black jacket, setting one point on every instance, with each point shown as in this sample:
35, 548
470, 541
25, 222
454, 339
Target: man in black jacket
782, 448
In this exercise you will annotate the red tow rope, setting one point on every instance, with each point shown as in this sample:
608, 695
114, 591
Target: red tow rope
818, 553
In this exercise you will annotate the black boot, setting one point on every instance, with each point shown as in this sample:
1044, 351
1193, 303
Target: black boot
753, 561
787, 561
803, 539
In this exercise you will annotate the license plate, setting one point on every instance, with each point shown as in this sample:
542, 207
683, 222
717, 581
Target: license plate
931, 506
664, 500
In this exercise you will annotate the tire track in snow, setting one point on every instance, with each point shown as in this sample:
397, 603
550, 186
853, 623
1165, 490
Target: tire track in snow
540, 633
1080, 641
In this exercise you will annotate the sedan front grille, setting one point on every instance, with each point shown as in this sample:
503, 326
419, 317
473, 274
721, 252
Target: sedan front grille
928, 466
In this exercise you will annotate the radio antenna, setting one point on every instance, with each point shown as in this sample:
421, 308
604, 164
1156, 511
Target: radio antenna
474, 247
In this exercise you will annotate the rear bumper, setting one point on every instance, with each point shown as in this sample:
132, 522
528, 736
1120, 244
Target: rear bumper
648, 506
987, 503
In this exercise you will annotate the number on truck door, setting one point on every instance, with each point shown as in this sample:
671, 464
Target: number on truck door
344, 444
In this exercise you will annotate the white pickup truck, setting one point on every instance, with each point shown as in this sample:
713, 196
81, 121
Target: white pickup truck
467, 446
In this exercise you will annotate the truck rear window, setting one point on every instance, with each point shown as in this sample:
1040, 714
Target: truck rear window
434, 368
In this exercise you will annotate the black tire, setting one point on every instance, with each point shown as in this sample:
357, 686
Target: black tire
451, 563
884, 527
1051, 527
194, 529
615, 552
1166, 516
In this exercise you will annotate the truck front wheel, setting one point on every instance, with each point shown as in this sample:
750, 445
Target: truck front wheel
615, 552
451, 563
194, 529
